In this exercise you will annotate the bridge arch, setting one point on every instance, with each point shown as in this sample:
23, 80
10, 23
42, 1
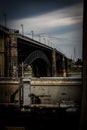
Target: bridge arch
35, 55
39, 60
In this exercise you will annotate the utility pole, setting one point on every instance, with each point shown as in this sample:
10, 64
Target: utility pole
22, 29
51, 44
39, 38
40, 35
74, 53
32, 34
44, 40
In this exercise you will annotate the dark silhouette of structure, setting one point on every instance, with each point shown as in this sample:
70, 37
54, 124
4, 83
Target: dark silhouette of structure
16, 49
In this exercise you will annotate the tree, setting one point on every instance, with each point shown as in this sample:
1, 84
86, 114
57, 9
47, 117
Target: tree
78, 62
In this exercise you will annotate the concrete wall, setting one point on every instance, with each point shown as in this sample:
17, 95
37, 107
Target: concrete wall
53, 90
49, 90
8, 86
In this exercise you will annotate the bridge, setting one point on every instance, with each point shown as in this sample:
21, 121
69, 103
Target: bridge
17, 52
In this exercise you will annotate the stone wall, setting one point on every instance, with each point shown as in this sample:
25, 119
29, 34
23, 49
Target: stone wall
53, 90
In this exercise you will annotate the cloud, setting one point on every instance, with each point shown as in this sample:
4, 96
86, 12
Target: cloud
59, 18
65, 24
24, 8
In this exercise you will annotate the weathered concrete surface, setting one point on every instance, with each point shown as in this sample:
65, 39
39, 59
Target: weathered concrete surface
53, 90
9, 86
48, 90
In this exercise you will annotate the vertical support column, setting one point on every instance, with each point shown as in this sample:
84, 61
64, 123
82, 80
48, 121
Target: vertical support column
63, 66
83, 117
7, 53
4, 54
21, 92
2, 57
67, 67
13, 68
53, 63
26, 92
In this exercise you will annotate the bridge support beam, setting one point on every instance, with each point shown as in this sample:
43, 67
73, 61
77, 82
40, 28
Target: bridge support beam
63, 67
2, 57
4, 54
67, 66
54, 71
13, 56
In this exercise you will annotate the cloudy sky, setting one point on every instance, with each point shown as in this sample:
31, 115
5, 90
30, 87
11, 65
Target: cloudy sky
57, 23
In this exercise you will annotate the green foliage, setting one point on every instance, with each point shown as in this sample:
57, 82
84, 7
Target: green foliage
75, 69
